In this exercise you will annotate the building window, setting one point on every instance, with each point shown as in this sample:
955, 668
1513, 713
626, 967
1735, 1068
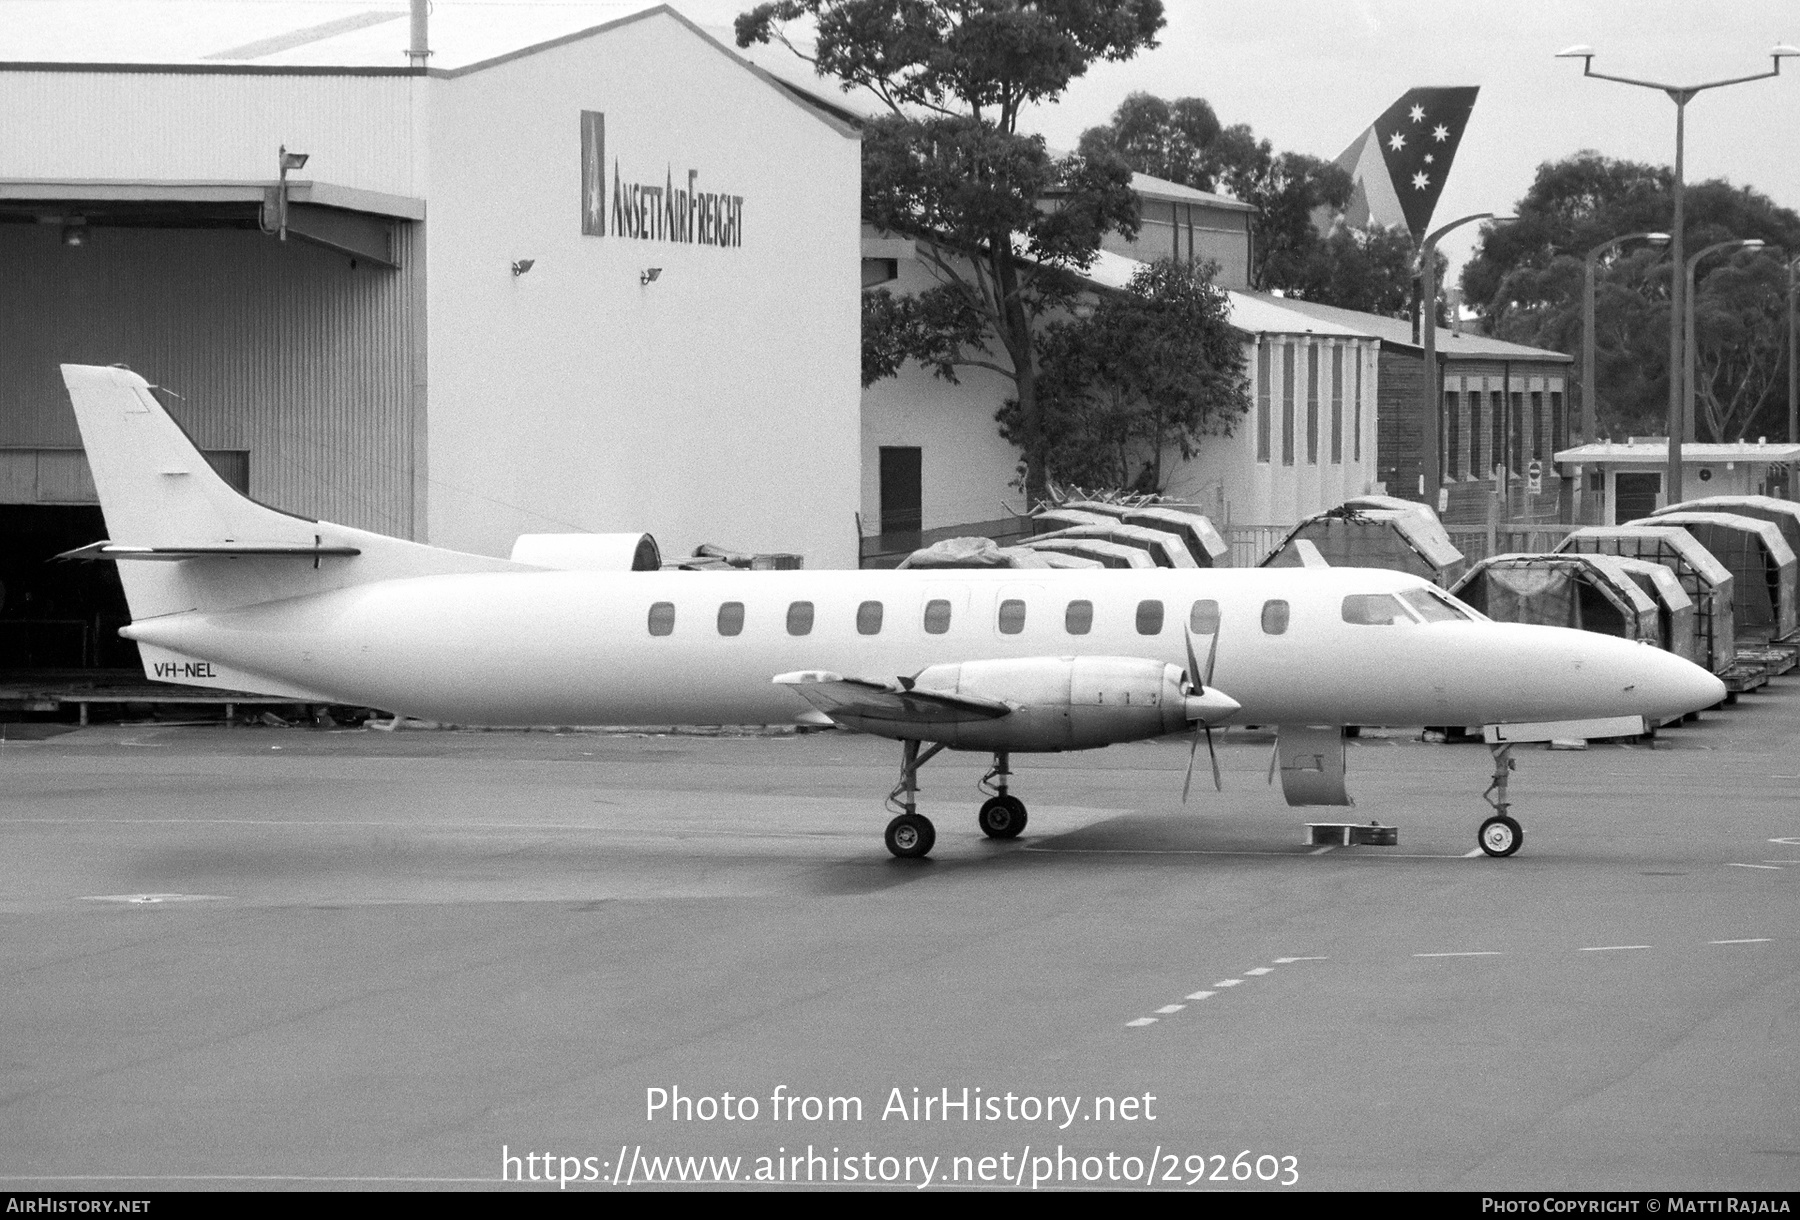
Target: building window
1203, 619
1287, 404
1149, 618
1078, 619
1537, 425
731, 618
800, 618
1517, 448
937, 616
1012, 616
662, 618
1475, 467
1262, 401
1274, 617
1337, 405
1497, 430
1312, 404
868, 618
1559, 436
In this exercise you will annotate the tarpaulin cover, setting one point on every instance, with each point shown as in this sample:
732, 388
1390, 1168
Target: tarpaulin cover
1111, 554
1098, 507
1398, 539
1165, 549
1675, 609
1761, 563
1049, 520
972, 553
1579, 591
1703, 577
1784, 513
1204, 543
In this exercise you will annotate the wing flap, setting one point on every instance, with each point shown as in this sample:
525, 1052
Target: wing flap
860, 699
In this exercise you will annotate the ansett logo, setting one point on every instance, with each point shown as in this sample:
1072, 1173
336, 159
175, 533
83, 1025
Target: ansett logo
647, 211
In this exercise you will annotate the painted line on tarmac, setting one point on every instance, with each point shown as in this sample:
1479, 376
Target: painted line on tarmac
1773, 868
1221, 985
1470, 855
1610, 948
1469, 953
1322, 850
1377, 854
1754, 940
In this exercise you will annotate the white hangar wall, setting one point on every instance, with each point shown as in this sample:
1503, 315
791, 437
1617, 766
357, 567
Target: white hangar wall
719, 403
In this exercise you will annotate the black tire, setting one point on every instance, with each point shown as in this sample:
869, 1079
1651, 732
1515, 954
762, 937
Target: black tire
911, 836
1500, 836
1002, 817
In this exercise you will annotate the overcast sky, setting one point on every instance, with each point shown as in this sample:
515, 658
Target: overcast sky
1310, 75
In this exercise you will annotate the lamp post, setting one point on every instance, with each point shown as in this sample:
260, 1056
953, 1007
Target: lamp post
1688, 355
1434, 386
1589, 391
289, 161
1681, 95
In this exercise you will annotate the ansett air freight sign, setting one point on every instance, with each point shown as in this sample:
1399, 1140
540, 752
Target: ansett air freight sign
649, 211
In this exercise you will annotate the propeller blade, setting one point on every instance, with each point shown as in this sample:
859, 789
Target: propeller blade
1212, 654
1193, 669
1189, 780
1211, 753
1274, 759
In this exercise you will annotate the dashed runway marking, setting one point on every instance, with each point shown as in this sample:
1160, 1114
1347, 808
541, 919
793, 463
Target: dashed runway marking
1254, 972
1228, 982
1610, 948
1754, 940
1260, 970
1773, 868
1466, 953
1166, 1009
1201, 995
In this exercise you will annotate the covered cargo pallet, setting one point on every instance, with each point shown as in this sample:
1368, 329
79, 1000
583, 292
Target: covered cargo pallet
1397, 539
1586, 592
1110, 554
1783, 513
1761, 563
1049, 520
1674, 608
1703, 577
1204, 543
1165, 549
973, 553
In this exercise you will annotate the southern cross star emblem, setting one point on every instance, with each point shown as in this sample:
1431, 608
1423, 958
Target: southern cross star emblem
1440, 133
1418, 114
1429, 158
1396, 141
1420, 182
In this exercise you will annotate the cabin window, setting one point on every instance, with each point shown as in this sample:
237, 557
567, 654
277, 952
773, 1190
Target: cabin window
1078, 619
1012, 616
1149, 618
1375, 610
1432, 606
937, 616
662, 618
799, 618
1203, 619
868, 618
731, 618
1274, 617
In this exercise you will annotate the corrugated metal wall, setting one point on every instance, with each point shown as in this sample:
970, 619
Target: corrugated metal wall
141, 125
283, 350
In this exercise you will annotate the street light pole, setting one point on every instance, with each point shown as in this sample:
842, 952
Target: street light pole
1590, 399
1681, 95
1434, 386
1689, 355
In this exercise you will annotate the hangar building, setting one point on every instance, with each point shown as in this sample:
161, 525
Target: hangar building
545, 269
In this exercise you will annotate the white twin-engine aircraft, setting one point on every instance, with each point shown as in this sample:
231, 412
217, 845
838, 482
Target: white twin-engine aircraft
225, 592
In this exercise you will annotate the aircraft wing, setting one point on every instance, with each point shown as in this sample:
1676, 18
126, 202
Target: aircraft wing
841, 698
117, 550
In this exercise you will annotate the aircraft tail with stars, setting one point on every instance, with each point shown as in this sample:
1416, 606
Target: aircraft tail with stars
1400, 162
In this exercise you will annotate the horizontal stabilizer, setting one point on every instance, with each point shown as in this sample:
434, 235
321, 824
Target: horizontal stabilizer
115, 550
855, 699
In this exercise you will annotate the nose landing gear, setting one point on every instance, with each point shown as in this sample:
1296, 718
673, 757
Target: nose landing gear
1500, 835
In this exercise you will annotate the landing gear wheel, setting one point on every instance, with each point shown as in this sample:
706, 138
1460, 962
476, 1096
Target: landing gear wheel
1002, 817
910, 836
1500, 836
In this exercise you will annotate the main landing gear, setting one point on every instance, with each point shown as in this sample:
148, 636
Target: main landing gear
1500, 835
911, 835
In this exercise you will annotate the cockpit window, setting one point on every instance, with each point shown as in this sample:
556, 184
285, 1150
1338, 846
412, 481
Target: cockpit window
1376, 610
1433, 606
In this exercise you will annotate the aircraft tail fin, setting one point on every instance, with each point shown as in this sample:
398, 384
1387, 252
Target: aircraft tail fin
218, 549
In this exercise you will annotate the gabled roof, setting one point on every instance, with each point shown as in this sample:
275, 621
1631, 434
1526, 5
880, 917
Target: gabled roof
1174, 192
1398, 332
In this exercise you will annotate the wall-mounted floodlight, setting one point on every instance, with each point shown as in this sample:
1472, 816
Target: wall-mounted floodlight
1784, 50
650, 276
521, 266
74, 231
289, 161
1579, 51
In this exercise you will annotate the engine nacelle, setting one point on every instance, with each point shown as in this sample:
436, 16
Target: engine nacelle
1060, 703
589, 552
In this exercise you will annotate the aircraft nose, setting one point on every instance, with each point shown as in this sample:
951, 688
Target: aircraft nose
1676, 687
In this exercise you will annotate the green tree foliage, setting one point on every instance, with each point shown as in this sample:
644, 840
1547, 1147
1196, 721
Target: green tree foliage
1182, 141
1526, 281
1149, 373
948, 167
